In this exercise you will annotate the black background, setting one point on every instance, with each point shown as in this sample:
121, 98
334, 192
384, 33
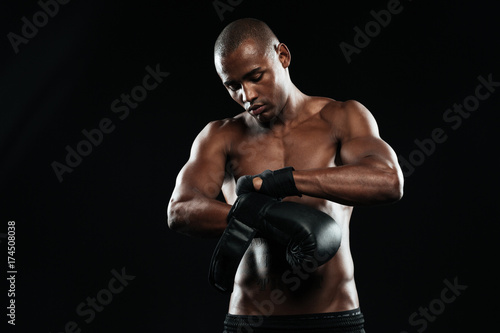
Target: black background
109, 212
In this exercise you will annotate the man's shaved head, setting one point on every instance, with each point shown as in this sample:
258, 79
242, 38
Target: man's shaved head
235, 33
253, 66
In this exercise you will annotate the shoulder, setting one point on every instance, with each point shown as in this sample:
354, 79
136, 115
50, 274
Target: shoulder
349, 118
343, 110
221, 132
224, 127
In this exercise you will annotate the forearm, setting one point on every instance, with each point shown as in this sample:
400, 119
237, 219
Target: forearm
360, 184
198, 216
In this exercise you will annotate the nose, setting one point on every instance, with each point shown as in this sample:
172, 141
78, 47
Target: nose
249, 94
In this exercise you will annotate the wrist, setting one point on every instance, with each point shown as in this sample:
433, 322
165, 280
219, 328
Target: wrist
279, 183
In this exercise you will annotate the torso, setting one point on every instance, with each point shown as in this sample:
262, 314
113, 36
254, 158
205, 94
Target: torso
264, 283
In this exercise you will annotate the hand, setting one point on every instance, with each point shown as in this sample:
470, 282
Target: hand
257, 183
308, 234
277, 184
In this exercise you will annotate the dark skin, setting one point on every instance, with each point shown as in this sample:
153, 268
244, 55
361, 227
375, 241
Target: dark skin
339, 158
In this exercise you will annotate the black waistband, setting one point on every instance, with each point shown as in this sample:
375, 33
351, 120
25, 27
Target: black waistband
343, 321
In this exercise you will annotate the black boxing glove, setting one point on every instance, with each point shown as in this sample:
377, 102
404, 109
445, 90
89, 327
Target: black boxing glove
308, 235
278, 183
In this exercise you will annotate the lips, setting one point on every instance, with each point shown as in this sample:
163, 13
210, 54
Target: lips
257, 109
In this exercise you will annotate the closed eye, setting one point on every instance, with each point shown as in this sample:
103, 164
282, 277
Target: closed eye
233, 87
256, 78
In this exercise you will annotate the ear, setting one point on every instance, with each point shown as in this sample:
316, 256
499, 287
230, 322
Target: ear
284, 55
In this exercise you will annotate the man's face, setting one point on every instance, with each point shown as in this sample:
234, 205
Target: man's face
255, 79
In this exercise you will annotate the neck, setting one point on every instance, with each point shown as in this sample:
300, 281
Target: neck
292, 111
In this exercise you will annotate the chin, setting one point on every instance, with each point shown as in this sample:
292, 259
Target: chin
267, 117
264, 119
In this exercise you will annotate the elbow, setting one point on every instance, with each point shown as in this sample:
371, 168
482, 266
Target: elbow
395, 186
172, 222
175, 219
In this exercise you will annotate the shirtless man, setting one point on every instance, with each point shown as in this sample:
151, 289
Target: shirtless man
338, 159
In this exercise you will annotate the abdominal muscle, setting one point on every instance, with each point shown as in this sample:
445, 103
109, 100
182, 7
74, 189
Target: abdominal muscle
266, 285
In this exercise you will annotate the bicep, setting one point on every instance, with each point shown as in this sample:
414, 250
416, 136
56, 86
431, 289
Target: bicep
361, 142
203, 174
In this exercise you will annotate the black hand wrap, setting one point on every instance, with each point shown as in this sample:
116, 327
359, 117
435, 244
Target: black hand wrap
278, 183
309, 235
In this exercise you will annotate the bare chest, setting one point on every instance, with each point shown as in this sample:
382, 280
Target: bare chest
308, 147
